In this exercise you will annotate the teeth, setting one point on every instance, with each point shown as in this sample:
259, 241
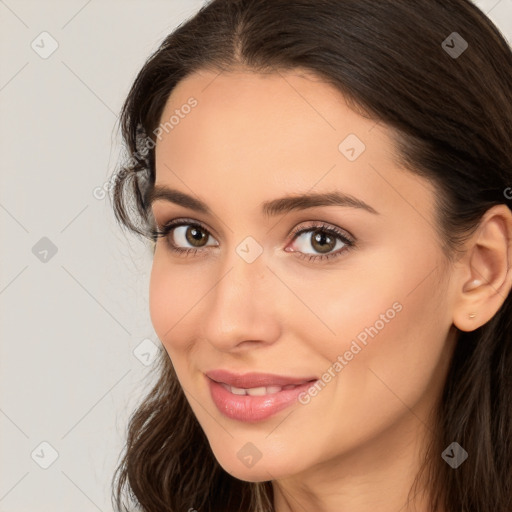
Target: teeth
261, 391
257, 391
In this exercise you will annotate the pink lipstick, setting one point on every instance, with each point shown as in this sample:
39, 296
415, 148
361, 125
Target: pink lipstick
252, 397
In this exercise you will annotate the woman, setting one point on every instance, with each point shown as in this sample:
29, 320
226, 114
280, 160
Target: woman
327, 186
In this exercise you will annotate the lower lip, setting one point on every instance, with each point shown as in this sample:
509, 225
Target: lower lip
253, 408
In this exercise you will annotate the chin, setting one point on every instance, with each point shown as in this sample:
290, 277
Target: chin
261, 471
250, 474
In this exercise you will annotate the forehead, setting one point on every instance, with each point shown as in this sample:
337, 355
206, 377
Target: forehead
277, 132
291, 104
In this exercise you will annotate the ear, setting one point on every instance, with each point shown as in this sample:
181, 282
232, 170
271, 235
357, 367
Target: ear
485, 277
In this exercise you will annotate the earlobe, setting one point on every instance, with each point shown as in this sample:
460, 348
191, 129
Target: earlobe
486, 273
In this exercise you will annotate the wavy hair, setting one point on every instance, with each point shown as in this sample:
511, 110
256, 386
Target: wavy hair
451, 119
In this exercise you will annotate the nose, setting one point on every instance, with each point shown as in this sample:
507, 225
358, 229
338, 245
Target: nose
240, 311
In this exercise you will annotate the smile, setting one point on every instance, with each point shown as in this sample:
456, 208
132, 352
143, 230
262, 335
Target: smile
254, 397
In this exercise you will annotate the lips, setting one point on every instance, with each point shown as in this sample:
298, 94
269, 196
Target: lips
256, 380
253, 397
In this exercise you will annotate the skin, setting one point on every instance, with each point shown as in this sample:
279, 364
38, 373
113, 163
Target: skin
358, 444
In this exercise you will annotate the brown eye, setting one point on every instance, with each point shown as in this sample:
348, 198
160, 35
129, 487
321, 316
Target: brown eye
322, 241
195, 236
319, 242
184, 237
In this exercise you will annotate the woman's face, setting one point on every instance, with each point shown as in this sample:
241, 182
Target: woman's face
353, 291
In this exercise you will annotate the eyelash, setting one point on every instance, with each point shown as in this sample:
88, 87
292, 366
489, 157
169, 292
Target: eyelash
166, 229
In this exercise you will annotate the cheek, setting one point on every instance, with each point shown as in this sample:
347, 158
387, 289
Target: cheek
395, 336
361, 300
161, 302
171, 296
394, 288
391, 318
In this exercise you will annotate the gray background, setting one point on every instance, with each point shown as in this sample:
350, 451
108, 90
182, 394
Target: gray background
76, 338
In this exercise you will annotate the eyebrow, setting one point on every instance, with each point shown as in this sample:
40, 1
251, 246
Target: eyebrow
269, 208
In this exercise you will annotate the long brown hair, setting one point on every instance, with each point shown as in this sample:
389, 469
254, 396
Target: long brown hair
451, 116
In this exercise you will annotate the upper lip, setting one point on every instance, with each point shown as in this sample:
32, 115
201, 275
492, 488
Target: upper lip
254, 379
